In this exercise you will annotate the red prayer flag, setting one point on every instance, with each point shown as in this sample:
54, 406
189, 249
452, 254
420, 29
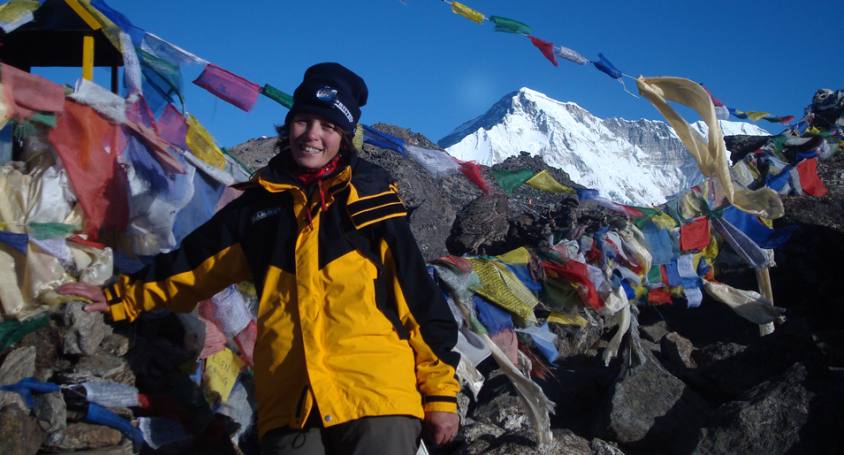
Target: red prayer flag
473, 172
809, 180
659, 296
577, 273
27, 93
695, 234
88, 145
229, 86
547, 48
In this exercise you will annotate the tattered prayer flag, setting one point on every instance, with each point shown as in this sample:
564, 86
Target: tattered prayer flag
546, 182
15, 13
27, 93
584, 194
119, 20
808, 171
659, 296
785, 119
503, 24
578, 275
202, 145
165, 50
473, 172
16, 241
694, 297
220, 375
566, 319
509, 180
606, 67
437, 162
88, 146
756, 115
229, 86
570, 55
277, 95
468, 13
694, 235
381, 139
172, 127
546, 47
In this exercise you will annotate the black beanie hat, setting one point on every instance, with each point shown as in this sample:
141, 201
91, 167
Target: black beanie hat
331, 91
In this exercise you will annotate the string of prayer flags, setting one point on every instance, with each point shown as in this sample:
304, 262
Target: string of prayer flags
228, 86
503, 24
15, 13
509, 180
468, 13
570, 55
546, 182
277, 95
546, 47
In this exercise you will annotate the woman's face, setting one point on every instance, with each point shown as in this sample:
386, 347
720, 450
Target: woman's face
314, 141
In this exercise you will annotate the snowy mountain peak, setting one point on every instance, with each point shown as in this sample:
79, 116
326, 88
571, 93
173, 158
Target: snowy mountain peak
632, 161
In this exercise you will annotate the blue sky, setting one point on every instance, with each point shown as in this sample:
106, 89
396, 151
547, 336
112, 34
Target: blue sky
430, 70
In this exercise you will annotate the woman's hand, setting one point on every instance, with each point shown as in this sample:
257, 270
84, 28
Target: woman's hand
441, 426
90, 292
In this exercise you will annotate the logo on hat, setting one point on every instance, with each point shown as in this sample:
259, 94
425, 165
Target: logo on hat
326, 94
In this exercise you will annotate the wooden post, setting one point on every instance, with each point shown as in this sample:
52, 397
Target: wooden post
88, 57
763, 280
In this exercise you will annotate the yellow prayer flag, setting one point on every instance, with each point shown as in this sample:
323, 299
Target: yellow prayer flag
220, 375
202, 145
520, 255
663, 221
756, 116
357, 141
567, 319
468, 13
14, 9
546, 182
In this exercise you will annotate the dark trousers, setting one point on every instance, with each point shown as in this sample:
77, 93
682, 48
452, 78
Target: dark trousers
397, 435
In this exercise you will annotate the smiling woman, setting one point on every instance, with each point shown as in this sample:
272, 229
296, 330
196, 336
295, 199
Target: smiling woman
313, 141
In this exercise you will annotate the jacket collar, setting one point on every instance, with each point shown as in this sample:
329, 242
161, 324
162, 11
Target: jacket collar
278, 175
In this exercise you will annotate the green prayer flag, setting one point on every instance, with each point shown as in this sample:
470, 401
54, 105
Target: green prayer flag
655, 275
503, 24
12, 331
277, 95
512, 179
43, 231
44, 118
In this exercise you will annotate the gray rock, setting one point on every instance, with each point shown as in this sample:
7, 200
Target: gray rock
677, 350
601, 447
85, 436
649, 407
771, 418
20, 434
115, 344
716, 352
51, 412
655, 331
523, 443
97, 366
124, 448
17, 365
84, 331
480, 223
505, 411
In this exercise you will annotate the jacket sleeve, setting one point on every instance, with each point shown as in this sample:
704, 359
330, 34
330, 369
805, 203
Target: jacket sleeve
425, 314
209, 259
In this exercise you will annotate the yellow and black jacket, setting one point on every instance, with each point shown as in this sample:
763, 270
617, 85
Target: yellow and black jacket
348, 318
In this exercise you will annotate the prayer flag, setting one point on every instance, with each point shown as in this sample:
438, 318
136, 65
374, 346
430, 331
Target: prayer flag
229, 86
468, 13
570, 55
172, 127
119, 20
88, 145
546, 47
202, 145
165, 50
578, 274
659, 244
277, 95
509, 180
16, 241
503, 24
566, 319
546, 182
809, 181
26, 93
381, 139
659, 296
473, 172
694, 235
437, 162
764, 236
606, 67
15, 13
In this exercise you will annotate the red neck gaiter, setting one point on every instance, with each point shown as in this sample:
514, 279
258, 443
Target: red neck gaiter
307, 176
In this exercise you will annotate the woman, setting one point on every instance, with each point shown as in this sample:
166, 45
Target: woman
354, 341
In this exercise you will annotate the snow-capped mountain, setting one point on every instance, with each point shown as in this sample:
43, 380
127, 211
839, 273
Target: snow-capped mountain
632, 161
